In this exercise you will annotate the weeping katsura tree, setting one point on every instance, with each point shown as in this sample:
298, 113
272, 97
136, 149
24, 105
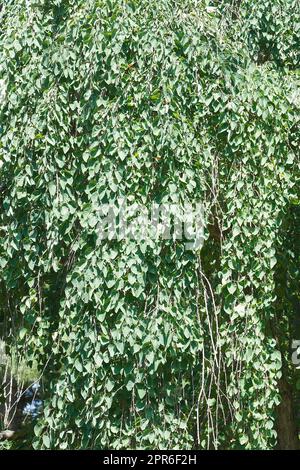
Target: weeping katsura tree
141, 342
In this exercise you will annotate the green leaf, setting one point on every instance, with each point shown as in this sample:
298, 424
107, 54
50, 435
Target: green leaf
78, 365
141, 392
46, 441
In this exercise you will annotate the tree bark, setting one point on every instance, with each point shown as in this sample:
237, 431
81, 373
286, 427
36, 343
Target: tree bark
286, 420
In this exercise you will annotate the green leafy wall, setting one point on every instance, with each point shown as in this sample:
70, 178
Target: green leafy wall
147, 345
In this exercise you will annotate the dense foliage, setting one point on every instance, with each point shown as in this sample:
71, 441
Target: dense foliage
144, 344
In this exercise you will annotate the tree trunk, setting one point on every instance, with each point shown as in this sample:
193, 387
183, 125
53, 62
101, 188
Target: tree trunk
13, 402
286, 421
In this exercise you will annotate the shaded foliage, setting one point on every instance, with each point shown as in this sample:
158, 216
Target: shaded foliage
145, 344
